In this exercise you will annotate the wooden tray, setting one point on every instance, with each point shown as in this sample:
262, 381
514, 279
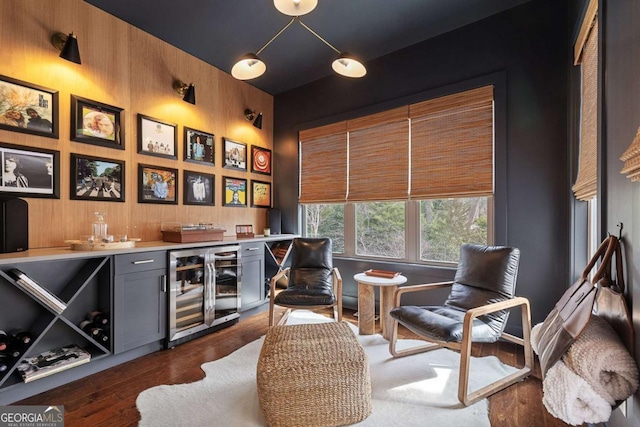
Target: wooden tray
192, 236
382, 273
78, 245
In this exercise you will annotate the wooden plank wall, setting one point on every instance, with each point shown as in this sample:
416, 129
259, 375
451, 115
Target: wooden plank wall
128, 68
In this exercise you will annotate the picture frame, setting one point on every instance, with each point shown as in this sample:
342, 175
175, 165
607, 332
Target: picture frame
157, 137
260, 194
199, 147
96, 178
234, 192
29, 172
93, 122
260, 160
157, 185
235, 155
198, 188
28, 108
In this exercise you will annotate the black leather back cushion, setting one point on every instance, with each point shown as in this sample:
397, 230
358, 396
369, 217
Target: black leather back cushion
311, 274
485, 274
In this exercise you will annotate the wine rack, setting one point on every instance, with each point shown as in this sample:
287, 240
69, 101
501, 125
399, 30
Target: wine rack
82, 284
278, 256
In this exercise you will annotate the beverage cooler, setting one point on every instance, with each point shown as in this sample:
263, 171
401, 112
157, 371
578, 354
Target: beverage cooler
204, 292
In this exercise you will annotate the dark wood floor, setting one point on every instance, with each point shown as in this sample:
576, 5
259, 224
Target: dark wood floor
108, 398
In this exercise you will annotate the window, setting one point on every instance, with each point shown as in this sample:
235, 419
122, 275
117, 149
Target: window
586, 184
409, 184
380, 229
446, 224
326, 221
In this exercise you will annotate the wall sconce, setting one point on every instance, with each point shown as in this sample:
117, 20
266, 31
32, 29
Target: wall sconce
68, 46
188, 91
251, 115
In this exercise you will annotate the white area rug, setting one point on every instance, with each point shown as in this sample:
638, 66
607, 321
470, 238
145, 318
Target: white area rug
415, 390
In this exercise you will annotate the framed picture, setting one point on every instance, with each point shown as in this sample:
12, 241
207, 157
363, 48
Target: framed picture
94, 178
157, 185
29, 172
96, 123
260, 160
260, 194
235, 155
199, 147
28, 108
234, 192
198, 189
157, 138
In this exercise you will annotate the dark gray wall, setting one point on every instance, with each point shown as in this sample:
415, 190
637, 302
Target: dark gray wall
528, 48
620, 120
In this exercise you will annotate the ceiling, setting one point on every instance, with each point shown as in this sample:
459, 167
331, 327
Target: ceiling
220, 31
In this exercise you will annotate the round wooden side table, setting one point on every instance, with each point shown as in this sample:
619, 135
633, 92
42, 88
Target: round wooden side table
367, 301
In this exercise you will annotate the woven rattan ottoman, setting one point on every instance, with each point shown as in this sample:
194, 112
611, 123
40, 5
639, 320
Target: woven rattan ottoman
313, 375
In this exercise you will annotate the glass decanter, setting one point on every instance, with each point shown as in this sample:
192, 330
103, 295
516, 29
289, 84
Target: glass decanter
99, 226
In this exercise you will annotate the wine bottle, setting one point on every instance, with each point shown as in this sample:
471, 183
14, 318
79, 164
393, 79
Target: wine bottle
98, 318
89, 328
4, 340
102, 336
22, 337
4, 362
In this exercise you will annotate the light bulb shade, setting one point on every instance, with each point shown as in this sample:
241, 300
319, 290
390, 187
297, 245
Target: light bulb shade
190, 95
248, 67
295, 7
68, 46
346, 65
258, 122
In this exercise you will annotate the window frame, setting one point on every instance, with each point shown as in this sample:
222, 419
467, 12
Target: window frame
412, 234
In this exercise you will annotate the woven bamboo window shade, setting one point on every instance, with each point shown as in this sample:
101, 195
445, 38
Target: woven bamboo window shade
586, 54
379, 156
452, 145
323, 163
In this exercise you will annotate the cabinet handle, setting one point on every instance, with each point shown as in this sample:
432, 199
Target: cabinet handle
143, 261
252, 249
163, 283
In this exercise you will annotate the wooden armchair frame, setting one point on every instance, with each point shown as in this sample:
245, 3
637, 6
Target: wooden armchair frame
464, 346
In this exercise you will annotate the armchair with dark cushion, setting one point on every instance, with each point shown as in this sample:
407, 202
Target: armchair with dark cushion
313, 282
482, 294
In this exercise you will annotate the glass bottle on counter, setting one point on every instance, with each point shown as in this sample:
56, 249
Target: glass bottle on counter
99, 227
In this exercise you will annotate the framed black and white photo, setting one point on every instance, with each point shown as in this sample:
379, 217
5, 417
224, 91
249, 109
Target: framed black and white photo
234, 192
198, 189
28, 108
95, 178
96, 123
235, 155
199, 147
157, 138
29, 172
260, 160
157, 185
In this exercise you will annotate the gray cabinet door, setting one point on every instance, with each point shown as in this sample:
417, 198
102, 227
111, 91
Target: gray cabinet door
252, 281
140, 305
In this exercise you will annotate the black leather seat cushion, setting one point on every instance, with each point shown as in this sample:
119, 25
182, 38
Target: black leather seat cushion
485, 274
311, 274
442, 323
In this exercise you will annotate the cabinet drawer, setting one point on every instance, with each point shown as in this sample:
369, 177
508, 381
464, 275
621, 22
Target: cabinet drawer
252, 249
143, 261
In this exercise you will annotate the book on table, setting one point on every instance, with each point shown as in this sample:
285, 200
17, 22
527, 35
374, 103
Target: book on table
382, 273
52, 361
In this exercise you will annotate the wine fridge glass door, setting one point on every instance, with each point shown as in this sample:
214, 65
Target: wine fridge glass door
187, 300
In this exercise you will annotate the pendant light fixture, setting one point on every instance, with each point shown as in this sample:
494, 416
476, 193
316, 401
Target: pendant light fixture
250, 66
